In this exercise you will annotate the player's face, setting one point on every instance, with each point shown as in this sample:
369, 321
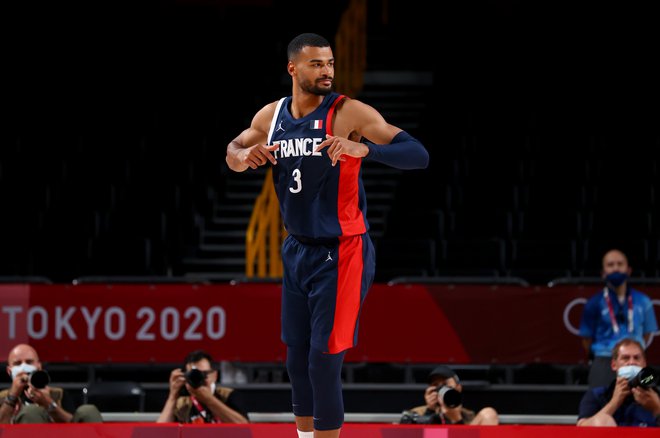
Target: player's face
315, 70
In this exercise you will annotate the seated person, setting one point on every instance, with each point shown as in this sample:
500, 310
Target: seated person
619, 404
24, 403
444, 403
195, 398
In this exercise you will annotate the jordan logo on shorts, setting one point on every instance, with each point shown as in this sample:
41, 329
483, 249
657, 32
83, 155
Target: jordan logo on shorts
329, 259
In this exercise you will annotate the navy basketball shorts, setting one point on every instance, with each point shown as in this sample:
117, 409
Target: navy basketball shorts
324, 286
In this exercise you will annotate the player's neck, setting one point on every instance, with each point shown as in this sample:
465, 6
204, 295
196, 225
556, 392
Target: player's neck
304, 103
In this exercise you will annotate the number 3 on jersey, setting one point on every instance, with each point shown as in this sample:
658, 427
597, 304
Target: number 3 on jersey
296, 177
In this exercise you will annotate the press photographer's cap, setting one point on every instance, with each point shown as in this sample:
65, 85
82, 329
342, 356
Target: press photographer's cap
444, 372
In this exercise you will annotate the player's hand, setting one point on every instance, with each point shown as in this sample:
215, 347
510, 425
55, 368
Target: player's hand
338, 146
258, 155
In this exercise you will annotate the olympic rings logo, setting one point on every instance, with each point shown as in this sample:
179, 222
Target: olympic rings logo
582, 301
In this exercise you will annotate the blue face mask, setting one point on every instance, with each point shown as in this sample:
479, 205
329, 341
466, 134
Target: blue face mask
616, 279
628, 371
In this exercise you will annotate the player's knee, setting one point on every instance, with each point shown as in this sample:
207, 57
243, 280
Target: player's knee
324, 366
297, 362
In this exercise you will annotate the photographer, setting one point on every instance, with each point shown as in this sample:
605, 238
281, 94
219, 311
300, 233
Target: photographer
195, 398
30, 399
444, 404
631, 399
615, 312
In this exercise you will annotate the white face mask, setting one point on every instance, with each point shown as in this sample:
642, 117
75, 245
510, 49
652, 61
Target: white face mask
629, 371
24, 367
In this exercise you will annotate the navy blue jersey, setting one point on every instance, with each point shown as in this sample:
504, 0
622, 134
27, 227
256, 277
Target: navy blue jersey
317, 200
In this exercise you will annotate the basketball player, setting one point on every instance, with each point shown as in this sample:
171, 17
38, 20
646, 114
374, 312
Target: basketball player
316, 140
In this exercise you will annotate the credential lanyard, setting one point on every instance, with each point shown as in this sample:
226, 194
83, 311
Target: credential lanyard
615, 325
200, 408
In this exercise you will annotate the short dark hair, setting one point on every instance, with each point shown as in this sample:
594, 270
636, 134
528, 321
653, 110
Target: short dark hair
196, 356
305, 40
626, 341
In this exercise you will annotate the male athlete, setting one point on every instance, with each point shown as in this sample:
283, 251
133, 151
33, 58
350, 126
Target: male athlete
316, 140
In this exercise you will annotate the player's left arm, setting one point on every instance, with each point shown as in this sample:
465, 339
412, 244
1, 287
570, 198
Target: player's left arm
386, 143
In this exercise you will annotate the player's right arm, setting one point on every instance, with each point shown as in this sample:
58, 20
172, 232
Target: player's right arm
249, 149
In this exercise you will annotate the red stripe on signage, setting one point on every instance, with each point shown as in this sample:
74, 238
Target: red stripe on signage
349, 215
347, 305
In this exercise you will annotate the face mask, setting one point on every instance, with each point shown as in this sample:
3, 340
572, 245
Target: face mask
616, 279
629, 371
24, 367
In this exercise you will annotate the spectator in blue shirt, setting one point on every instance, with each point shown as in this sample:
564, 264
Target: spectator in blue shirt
618, 404
614, 313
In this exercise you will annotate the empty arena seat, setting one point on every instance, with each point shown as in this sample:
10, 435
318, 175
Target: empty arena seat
471, 257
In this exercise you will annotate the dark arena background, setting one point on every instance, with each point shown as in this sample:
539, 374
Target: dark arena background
541, 121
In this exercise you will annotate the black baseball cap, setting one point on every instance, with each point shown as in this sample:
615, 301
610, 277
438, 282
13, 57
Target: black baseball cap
444, 372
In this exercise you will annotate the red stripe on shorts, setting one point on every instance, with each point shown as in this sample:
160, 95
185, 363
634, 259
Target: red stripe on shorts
349, 285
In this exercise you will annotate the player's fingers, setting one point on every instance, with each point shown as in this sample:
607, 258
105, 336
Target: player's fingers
261, 154
333, 148
337, 155
267, 155
272, 147
251, 163
260, 158
325, 143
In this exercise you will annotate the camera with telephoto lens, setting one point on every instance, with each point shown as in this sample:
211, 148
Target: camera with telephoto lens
39, 379
195, 378
449, 397
646, 378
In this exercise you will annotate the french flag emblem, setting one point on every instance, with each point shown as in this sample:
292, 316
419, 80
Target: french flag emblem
316, 124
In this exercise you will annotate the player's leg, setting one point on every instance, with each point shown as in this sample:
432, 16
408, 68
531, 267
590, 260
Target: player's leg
340, 287
297, 367
325, 376
296, 334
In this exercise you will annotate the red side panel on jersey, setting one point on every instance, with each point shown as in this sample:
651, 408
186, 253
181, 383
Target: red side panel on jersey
351, 219
347, 305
